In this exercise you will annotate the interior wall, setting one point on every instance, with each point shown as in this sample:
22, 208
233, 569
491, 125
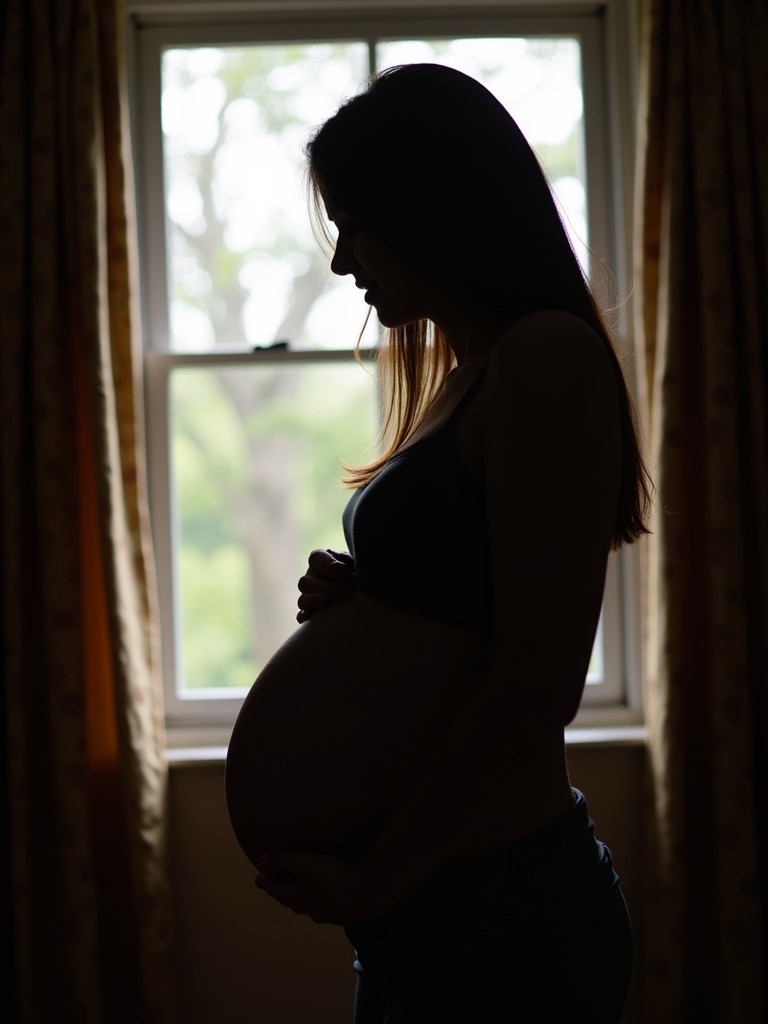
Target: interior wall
243, 958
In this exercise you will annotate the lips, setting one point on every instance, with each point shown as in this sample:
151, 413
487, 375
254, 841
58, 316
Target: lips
367, 287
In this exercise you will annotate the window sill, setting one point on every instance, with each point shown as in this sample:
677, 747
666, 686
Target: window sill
194, 755
606, 736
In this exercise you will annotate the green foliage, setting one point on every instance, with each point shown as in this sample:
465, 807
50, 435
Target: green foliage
311, 416
342, 425
214, 588
209, 455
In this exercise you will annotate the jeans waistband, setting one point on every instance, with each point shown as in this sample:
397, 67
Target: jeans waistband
552, 856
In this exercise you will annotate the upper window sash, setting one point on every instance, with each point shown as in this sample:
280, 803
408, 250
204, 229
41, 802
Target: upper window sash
152, 41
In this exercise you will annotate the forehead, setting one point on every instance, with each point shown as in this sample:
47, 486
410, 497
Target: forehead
337, 214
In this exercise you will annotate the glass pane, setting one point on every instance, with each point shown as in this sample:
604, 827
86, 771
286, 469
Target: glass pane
256, 460
596, 670
244, 268
539, 82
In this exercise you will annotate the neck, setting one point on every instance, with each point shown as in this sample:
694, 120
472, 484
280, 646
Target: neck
470, 338
472, 345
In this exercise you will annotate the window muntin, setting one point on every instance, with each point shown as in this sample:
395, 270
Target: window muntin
561, 146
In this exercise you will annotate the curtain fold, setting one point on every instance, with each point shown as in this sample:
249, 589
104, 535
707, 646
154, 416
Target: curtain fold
702, 320
85, 763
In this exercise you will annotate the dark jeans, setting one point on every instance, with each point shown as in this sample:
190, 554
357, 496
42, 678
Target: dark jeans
535, 932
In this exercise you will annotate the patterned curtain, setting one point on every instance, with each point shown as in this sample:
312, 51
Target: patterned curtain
86, 777
702, 280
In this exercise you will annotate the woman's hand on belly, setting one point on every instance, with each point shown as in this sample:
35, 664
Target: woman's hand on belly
326, 889
328, 578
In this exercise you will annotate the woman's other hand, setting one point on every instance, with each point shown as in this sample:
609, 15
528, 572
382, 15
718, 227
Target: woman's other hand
328, 578
326, 889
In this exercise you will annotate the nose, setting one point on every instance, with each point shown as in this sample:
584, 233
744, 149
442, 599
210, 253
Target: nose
342, 262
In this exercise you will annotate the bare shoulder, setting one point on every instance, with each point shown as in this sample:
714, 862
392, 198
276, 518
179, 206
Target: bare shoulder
553, 341
552, 385
552, 364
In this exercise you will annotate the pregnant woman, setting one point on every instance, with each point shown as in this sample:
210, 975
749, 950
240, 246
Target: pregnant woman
399, 765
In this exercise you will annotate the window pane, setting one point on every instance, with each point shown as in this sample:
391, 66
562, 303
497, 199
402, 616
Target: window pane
596, 670
255, 473
244, 268
539, 82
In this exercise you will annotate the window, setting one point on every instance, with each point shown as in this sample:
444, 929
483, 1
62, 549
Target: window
253, 393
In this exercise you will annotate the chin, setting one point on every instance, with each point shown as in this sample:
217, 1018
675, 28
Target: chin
391, 320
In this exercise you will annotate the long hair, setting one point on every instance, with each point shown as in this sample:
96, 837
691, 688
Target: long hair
428, 159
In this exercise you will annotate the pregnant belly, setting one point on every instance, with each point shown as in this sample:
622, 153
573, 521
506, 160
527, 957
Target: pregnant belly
338, 724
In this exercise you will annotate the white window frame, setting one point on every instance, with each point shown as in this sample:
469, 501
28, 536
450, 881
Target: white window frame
606, 32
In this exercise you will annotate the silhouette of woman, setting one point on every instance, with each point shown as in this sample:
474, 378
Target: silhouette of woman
399, 768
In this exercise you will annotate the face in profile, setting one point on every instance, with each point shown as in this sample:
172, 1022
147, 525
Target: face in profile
396, 290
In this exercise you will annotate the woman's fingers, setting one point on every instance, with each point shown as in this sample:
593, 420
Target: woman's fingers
329, 564
328, 578
318, 585
312, 601
328, 572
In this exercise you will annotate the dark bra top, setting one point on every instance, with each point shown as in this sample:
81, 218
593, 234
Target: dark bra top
418, 532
